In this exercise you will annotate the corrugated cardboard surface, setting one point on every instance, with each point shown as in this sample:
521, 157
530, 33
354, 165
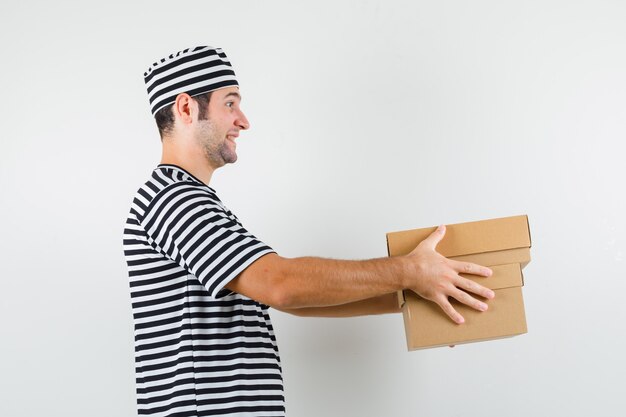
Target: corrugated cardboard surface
503, 245
427, 325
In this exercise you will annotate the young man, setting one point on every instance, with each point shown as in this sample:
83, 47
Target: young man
201, 284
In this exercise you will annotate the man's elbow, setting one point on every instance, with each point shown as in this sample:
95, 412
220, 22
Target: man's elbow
284, 293
279, 290
267, 281
282, 298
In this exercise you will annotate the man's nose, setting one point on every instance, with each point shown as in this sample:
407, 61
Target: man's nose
242, 122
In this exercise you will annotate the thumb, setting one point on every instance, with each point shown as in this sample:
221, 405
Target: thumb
435, 237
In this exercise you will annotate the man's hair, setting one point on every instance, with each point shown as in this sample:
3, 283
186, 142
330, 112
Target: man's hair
165, 117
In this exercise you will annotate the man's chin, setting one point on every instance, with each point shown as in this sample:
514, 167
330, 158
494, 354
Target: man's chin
220, 162
229, 159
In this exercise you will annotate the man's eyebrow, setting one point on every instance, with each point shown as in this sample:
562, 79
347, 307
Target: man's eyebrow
233, 93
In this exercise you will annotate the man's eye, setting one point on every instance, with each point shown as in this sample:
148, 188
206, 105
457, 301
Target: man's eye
230, 104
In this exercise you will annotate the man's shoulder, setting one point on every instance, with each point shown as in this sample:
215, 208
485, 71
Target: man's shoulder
165, 188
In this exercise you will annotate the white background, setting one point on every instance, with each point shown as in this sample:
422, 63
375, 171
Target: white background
367, 117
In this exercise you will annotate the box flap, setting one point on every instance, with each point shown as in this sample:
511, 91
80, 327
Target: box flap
467, 238
510, 256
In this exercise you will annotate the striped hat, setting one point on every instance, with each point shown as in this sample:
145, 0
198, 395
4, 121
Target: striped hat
193, 71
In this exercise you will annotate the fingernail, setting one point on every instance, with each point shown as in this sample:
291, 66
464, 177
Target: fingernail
483, 307
492, 294
440, 228
489, 272
460, 320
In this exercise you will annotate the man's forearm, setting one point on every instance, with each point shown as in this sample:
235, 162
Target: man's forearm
319, 282
383, 304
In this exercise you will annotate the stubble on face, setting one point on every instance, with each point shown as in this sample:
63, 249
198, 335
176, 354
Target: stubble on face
215, 146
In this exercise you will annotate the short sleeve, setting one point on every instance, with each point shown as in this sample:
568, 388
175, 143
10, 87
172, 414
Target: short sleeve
188, 224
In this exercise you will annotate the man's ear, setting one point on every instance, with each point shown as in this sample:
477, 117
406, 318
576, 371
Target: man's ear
184, 108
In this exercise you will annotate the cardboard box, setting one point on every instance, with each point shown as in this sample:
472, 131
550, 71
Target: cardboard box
501, 244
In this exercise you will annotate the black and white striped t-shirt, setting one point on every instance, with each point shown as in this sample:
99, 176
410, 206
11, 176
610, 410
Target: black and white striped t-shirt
200, 349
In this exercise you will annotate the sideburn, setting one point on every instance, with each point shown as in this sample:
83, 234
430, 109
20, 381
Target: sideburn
203, 105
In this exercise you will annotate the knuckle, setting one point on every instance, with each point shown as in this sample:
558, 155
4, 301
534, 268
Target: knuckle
463, 297
466, 284
469, 300
441, 287
479, 289
449, 275
452, 313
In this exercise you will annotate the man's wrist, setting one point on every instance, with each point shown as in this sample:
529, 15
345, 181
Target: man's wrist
402, 274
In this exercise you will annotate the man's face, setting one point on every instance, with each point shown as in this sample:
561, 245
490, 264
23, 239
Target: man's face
218, 133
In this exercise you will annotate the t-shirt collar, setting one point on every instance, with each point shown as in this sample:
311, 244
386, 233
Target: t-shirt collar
185, 172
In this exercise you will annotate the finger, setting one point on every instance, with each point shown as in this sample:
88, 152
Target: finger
465, 298
435, 237
449, 310
470, 268
474, 287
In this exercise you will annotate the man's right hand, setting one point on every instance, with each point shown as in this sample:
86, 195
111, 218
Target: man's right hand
437, 277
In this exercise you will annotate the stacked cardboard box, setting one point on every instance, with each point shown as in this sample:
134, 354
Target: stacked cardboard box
501, 244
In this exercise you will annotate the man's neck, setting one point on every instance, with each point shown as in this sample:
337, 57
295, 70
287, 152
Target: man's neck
190, 162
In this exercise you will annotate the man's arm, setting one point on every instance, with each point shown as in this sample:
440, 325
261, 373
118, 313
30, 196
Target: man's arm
290, 283
293, 283
383, 304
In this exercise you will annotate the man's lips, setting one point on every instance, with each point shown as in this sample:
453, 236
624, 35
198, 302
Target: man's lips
232, 138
